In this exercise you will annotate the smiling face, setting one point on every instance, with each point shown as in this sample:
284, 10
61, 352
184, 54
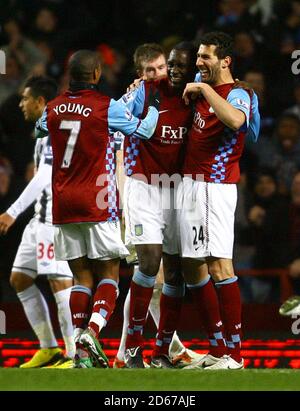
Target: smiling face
208, 64
180, 68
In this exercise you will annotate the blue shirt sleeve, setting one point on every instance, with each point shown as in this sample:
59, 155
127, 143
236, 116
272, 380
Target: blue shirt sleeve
254, 126
135, 100
240, 99
120, 118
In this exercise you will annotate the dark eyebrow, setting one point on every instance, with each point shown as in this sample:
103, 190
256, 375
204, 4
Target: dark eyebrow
202, 55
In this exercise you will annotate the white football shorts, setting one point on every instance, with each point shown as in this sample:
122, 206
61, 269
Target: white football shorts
35, 255
206, 218
150, 215
101, 241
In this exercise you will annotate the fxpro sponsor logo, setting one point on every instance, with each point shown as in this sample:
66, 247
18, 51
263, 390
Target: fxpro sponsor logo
167, 132
199, 122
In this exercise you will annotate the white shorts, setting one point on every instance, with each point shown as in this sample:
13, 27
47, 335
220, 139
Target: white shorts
101, 241
150, 215
206, 218
35, 255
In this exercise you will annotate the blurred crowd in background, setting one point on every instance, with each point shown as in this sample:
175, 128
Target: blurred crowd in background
38, 37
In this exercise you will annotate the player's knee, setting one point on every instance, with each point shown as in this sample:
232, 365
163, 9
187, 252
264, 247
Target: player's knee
220, 274
173, 278
149, 265
59, 283
19, 281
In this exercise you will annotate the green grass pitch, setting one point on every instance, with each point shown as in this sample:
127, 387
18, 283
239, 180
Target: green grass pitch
148, 380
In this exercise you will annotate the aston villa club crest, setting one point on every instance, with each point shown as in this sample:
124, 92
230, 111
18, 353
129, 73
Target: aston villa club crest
138, 228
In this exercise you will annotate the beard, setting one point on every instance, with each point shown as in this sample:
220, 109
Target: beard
212, 75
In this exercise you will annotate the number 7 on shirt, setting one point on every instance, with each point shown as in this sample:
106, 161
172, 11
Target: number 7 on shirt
74, 127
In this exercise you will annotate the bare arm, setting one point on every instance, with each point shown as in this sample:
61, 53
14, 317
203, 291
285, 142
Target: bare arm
230, 116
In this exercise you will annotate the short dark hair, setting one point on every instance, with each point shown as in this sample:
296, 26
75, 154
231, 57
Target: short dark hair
186, 46
146, 52
222, 41
42, 86
82, 65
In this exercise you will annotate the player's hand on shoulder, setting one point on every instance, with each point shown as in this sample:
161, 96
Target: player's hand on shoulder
6, 221
154, 98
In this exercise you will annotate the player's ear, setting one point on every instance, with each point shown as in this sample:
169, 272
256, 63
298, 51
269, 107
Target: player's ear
97, 73
226, 62
41, 101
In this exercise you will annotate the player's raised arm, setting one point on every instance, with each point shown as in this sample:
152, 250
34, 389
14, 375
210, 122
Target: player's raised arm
122, 119
233, 116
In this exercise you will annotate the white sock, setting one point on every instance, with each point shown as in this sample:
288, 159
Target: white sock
62, 299
121, 351
37, 313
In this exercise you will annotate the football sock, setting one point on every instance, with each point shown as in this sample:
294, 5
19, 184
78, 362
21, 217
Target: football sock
170, 308
176, 345
141, 290
154, 306
206, 300
104, 303
62, 299
231, 311
80, 306
37, 313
